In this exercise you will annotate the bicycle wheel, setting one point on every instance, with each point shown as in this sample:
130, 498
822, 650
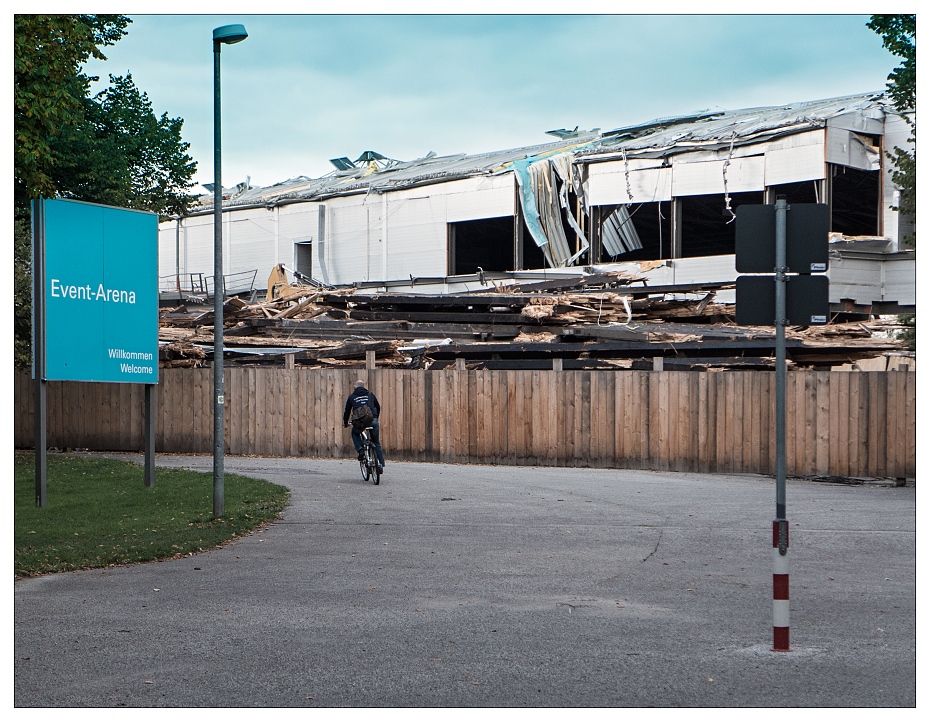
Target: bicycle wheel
365, 463
375, 470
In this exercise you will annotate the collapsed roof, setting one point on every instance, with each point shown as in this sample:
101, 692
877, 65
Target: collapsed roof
660, 138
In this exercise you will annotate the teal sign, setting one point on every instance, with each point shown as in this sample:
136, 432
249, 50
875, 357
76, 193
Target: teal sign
101, 293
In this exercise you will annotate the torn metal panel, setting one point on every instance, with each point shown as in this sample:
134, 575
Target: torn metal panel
619, 235
851, 149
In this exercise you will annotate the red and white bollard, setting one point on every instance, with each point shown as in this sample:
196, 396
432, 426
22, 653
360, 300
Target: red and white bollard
780, 609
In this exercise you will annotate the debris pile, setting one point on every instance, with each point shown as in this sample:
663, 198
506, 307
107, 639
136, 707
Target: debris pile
595, 321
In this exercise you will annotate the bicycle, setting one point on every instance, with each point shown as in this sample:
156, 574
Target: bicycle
369, 461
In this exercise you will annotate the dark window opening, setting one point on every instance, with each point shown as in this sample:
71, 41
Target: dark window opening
533, 257
855, 201
486, 243
803, 192
706, 227
653, 225
303, 258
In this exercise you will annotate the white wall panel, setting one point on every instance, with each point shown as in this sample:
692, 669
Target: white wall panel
490, 198
197, 245
168, 255
248, 242
796, 140
348, 240
646, 186
791, 165
697, 179
896, 134
416, 237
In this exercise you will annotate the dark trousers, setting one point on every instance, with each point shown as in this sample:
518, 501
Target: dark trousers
375, 439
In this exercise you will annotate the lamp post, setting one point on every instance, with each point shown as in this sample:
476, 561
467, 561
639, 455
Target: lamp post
225, 35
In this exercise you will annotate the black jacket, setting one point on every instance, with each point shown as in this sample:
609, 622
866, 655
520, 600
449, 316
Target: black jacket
357, 398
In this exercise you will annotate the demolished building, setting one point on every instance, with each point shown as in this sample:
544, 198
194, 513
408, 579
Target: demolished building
666, 190
651, 206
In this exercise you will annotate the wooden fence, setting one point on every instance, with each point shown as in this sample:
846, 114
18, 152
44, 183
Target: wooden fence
857, 424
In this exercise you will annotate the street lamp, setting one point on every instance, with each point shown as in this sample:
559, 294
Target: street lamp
226, 35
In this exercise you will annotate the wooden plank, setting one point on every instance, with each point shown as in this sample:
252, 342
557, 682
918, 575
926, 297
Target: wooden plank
841, 406
657, 390
537, 425
910, 427
641, 415
485, 412
549, 398
459, 381
621, 386
684, 422
236, 402
722, 417
899, 394
595, 421
822, 423
499, 416
703, 412
610, 405
849, 424
291, 413
564, 389
791, 422
670, 402
860, 426
584, 418
751, 443
58, 421
431, 451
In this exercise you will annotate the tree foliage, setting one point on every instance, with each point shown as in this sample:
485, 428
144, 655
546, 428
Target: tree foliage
122, 154
107, 148
899, 36
49, 87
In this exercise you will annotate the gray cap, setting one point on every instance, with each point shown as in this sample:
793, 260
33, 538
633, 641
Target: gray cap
359, 384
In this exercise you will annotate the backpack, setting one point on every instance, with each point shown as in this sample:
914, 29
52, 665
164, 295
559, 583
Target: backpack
362, 417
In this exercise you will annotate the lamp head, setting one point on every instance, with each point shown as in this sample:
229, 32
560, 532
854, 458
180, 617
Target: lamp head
229, 34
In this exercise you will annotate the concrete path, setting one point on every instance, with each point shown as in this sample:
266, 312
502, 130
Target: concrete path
481, 586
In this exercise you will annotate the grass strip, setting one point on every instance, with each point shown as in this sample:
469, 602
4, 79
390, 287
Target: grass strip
99, 513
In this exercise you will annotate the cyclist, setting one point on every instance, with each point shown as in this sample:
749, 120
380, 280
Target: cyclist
360, 397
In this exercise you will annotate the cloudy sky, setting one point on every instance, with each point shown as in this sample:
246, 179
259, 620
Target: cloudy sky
306, 88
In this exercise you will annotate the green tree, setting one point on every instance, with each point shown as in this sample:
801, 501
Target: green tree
899, 36
122, 154
49, 88
109, 148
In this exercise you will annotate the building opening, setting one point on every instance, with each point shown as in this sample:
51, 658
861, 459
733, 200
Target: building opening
620, 227
707, 227
802, 192
855, 200
486, 243
303, 258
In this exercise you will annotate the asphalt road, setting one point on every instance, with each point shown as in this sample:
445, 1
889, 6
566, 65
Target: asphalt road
482, 586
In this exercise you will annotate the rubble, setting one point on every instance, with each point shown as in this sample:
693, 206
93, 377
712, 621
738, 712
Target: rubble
584, 322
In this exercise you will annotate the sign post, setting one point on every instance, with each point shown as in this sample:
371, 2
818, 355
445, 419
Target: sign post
780, 603
95, 304
787, 241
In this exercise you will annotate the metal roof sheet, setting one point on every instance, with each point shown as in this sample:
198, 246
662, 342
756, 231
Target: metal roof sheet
661, 137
